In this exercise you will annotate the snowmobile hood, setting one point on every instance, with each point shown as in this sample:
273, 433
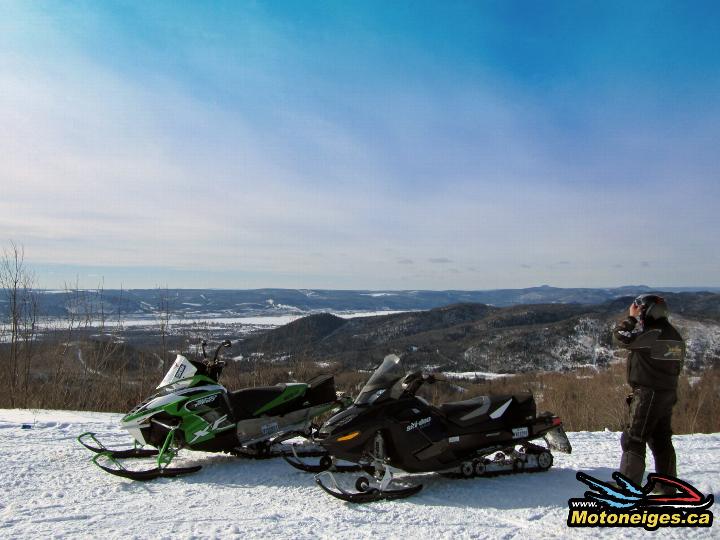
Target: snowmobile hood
167, 395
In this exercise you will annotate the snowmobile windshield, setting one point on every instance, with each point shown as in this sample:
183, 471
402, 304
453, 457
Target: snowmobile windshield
182, 368
384, 377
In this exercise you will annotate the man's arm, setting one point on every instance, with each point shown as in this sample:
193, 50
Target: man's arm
625, 332
629, 336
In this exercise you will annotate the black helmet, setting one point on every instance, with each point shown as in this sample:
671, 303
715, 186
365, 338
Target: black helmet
652, 306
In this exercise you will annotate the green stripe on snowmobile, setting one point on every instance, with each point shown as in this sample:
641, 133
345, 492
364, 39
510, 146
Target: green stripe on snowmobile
291, 392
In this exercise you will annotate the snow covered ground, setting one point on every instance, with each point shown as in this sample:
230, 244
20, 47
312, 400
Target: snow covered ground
472, 375
218, 319
51, 490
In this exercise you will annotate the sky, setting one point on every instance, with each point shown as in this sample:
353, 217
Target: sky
361, 145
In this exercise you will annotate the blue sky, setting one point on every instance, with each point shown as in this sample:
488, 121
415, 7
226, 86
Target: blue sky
383, 145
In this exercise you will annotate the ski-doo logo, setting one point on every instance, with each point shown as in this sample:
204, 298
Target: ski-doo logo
419, 423
664, 501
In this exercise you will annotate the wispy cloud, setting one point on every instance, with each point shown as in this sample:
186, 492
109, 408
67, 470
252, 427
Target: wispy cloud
241, 146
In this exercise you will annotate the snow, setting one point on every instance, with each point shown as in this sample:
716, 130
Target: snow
50, 489
210, 319
472, 375
353, 314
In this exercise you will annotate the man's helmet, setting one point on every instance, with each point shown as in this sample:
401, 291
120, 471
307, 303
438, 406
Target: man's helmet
652, 306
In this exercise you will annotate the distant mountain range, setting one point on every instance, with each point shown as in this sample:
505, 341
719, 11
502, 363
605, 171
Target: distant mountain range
478, 337
208, 303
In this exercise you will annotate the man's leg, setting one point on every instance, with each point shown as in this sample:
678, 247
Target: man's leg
660, 440
636, 433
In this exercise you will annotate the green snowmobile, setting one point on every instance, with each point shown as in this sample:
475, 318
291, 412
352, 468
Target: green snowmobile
192, 410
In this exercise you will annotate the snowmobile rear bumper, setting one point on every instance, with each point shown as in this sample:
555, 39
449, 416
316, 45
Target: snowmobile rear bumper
556, 439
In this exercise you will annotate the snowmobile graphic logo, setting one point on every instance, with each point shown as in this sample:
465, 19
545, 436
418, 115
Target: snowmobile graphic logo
194, 405
208, 428
179, 372
664, 501
418, 423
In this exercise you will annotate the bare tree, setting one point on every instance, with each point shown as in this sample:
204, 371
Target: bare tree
17, 282
163, 315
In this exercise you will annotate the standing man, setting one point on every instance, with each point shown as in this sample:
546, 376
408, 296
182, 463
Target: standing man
657, 352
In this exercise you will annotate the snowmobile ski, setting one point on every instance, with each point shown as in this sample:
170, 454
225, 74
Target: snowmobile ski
143, 475
365, 493
135, 452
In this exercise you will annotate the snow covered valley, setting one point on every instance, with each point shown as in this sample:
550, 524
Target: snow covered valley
52, 490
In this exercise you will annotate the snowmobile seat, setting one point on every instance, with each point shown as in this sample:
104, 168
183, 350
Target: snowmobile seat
489, 408
476, 407
245, 402
321, 389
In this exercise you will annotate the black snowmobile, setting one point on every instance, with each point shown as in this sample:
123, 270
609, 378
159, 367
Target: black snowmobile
191, 410
390, 428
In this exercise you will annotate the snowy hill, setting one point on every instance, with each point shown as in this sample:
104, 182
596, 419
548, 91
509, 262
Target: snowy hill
50, 489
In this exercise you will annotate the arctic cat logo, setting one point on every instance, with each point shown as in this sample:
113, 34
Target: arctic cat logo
419, 423
204, 401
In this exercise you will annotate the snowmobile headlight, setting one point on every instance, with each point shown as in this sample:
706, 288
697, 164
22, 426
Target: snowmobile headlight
348, 437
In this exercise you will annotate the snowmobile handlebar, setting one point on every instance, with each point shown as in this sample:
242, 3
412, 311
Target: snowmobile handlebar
226, 344
214, 367
412, 382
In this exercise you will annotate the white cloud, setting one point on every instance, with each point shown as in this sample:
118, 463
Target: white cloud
102, 166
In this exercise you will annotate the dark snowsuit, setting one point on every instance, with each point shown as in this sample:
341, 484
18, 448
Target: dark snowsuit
657, 353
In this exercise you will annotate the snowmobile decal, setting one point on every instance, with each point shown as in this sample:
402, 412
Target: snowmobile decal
497, 413
204, 432
419, 423
179, 372
482, 409
202, 401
